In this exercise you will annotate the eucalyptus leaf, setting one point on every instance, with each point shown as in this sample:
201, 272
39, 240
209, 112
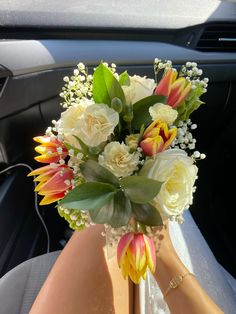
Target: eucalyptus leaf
115, 213
102, 215
140, 189
146, 214
141, 110
92, 171
122, 210
88, 196
106, 86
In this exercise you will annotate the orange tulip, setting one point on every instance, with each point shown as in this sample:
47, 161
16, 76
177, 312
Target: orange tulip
157, 138
54, 182
51, 149
135, 253
176, 90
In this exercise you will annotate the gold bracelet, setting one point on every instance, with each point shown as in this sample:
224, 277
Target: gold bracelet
176, 282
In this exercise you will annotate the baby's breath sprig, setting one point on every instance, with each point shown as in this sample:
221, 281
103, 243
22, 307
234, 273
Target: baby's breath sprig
198, 156
78, 86
185, 140
77, 220
161, 65
192, 74
113, 235
112, 68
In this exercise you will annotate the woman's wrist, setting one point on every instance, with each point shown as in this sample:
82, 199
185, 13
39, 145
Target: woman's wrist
167, 267
168, 264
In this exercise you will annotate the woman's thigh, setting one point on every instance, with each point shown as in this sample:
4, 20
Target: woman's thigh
84, 280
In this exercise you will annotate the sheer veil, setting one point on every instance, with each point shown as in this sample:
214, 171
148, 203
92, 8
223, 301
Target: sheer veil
199, 259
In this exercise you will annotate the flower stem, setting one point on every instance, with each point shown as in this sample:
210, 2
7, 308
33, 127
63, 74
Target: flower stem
133, 223
142, 228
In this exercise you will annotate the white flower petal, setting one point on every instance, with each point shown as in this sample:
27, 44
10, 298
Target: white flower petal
163, 112
117, 158
97, 122
140, 87
177, 171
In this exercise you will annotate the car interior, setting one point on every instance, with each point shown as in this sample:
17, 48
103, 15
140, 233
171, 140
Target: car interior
43, 42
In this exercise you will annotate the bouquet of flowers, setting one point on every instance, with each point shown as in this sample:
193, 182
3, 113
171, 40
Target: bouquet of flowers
122, 154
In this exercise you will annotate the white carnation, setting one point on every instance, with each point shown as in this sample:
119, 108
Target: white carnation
69, 119
140, 87
96, 123
176, 170
163, 112
117, 158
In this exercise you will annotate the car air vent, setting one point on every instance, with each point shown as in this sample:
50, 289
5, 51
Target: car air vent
218, 38
2, 82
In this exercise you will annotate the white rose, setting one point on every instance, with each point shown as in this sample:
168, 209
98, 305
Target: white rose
140, 87
96, 123
177, 171
117, 158
163, 112
69, 119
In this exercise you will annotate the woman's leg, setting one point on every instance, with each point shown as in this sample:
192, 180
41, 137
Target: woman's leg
84, 281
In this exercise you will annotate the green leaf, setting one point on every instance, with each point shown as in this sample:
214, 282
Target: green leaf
89, 196
140, 189
105, 86
187, 108
191, 103
69, 146
124, 78
116, 213
146, 214
146, 167
128, 113
94, 150
122, 210
141, 131
116, 104
84, 147
141, 112
92, 171
194, 105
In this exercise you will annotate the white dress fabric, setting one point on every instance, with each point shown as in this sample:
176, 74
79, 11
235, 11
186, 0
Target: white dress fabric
199, 259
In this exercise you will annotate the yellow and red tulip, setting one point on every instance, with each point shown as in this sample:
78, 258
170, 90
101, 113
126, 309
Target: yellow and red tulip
157, 138
179, 91
136, 253
164, 86
54, 181
175, 89
51, 149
